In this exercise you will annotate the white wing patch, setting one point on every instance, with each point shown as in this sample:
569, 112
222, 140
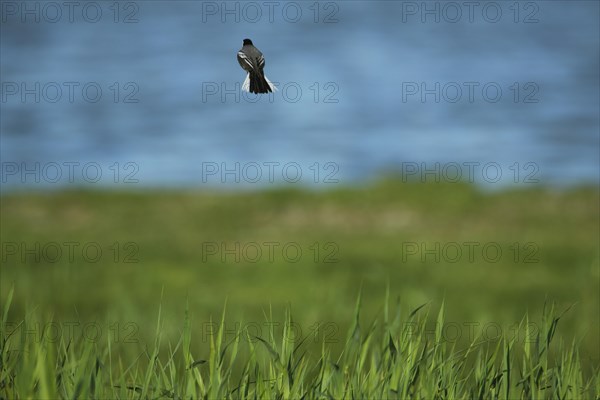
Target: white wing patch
245, 58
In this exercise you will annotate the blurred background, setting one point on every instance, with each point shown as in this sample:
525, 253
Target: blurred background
349, 97
372, 95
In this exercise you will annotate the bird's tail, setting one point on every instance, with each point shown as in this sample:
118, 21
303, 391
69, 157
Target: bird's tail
255, 83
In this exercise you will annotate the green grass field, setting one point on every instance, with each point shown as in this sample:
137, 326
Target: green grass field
92, 270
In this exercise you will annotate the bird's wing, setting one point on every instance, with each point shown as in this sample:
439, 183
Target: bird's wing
244, 61
261, 62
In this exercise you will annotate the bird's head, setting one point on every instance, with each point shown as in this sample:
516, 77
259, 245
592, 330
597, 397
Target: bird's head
247, 42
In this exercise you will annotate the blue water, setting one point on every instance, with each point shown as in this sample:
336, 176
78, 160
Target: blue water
355, 64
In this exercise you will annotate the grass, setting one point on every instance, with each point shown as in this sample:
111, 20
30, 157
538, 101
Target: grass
351, 238
393, 357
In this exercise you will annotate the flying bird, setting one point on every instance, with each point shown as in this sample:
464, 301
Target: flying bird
253, 62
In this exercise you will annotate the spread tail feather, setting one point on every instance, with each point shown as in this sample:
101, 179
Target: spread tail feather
246, 84
258, 84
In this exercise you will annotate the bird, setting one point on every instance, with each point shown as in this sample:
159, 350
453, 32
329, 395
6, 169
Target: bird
253, 62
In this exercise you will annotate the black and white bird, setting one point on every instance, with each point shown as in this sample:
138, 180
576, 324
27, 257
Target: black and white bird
253, 62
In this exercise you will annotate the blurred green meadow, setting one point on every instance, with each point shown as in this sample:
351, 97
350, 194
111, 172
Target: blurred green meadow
112, 259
